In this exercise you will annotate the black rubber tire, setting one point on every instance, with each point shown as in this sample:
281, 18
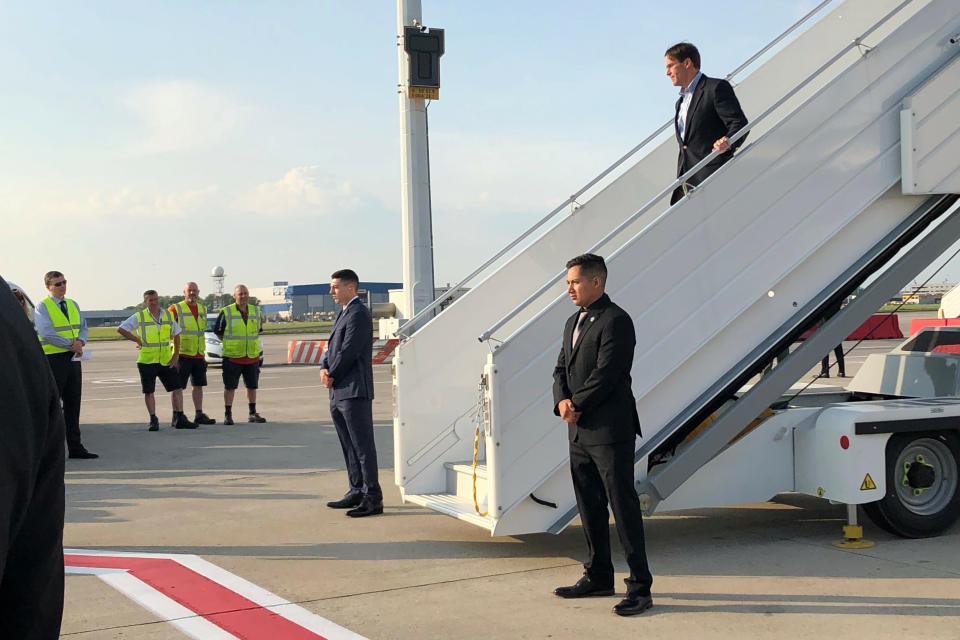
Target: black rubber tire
892, 515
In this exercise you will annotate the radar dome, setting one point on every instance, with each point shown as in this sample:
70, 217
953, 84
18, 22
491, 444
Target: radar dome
217, 272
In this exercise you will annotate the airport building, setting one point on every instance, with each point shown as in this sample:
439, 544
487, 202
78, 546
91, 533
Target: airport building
274, 304
314, 302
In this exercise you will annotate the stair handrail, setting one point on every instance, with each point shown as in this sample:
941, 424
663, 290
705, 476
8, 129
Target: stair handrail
410, 326
857, 42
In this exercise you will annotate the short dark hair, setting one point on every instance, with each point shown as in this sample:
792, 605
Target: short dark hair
591, 265
49, 276
149, 292
347, 276
683, 50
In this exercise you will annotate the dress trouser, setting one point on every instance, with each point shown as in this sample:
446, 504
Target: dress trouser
825, 364
602, 472
69, 379
353, 419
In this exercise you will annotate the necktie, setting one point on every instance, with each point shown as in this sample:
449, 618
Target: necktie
63, 307
576, 329
676, 118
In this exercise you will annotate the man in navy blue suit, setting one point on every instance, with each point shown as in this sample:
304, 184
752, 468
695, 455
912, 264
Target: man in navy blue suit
346, 369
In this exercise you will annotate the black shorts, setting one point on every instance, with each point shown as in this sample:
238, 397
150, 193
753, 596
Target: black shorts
193, 370
232, 372
149, 374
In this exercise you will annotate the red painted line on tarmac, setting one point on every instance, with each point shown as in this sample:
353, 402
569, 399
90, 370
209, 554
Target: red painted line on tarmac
221, 606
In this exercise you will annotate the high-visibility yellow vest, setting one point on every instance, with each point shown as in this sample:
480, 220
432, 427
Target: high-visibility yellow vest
191, 335
66, 326
241, 339
155, 338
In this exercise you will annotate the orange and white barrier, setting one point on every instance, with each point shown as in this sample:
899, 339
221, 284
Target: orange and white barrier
310, 351
388, 346
305, 351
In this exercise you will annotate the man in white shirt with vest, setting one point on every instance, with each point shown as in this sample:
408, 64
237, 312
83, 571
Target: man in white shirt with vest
153, 329
63, 333
191, 316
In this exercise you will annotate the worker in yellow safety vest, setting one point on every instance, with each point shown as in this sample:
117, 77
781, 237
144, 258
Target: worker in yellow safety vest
153, 330
191, 316
239, 326
63, 334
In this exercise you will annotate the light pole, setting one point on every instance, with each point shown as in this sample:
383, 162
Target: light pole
415, 207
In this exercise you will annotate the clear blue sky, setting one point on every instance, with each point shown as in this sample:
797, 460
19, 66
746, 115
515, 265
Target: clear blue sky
142, 143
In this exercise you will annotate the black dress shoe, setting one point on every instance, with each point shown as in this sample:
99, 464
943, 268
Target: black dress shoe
367, 508
585, 588
633, 604
83, 454
228, 420
183, 423
348, 501
154, 424
202, 418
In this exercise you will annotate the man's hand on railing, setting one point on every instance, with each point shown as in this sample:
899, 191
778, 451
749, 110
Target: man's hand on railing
722, 145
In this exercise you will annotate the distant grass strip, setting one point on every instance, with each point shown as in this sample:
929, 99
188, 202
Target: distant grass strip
102, 334
887, 308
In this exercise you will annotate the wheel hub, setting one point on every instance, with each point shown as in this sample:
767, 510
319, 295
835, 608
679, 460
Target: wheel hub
919, 475
928, 478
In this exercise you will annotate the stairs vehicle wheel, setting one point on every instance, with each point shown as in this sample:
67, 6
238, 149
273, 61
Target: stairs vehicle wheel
923, 485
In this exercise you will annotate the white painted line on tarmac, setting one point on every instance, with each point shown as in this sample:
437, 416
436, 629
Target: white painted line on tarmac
203, 600
164, 607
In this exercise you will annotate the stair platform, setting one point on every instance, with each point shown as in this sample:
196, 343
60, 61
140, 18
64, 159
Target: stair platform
452, 505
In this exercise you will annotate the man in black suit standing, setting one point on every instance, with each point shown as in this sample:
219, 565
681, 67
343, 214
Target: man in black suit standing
31, 482
592, 394
708, 114
346, 368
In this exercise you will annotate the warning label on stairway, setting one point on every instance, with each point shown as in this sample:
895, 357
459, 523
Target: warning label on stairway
868, 484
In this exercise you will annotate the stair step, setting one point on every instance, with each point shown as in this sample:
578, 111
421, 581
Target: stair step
460, 481
467, 468
452, 505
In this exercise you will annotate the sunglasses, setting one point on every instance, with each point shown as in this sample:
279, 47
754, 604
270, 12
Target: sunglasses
58, 284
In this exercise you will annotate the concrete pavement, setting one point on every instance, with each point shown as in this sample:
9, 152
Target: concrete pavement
250, 498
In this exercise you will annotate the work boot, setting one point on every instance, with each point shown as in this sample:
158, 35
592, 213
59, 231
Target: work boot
202, 418
183, 423
256, 417
154, 424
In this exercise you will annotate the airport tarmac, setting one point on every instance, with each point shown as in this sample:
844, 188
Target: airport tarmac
250, 499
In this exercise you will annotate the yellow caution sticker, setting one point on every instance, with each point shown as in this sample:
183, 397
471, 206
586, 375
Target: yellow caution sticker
868, 484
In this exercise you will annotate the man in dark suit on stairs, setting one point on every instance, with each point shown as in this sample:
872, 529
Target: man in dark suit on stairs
346, 369
708, 114
593, 395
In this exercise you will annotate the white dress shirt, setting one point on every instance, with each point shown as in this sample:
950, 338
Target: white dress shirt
686, 97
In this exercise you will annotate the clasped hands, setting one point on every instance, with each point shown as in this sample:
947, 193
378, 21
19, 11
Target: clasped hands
325, 378
77, 347
567, 412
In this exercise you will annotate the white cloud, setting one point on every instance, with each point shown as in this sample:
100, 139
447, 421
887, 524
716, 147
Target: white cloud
179, 115
302, 190
51, 202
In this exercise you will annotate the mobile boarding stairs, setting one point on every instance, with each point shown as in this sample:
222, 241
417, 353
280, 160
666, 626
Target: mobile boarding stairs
850, 170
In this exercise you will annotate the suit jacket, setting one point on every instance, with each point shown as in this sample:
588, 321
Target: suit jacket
714, 112
595, 375
349, 353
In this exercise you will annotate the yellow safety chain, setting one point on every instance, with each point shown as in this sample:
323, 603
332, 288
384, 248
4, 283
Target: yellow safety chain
481, 418
476, 448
